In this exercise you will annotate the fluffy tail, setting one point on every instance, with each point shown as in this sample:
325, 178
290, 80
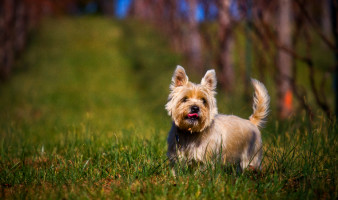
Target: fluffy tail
260, 105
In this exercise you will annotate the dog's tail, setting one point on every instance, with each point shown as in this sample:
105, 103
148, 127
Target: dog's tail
260, 105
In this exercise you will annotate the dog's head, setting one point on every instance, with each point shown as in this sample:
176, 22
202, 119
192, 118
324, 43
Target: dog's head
192, 106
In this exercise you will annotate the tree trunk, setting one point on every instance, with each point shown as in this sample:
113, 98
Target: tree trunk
334, 25
326, 18
225, 40
8, 17
173, 26
20, 27
284, 60
139, 9
193, 38
108, 7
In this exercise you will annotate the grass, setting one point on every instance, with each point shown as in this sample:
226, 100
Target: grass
83, 117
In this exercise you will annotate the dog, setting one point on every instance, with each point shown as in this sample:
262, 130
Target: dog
199, 134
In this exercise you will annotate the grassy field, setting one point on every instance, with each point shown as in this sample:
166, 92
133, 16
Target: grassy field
83, 117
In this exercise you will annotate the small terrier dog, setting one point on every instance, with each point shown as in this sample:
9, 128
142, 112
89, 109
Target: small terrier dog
199, 134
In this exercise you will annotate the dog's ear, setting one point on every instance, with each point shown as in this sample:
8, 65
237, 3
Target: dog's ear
179, 78
209, 79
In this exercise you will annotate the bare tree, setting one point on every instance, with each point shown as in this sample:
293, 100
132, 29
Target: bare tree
193, 38
20, 27
107, 7
139, 9
284, 60
173, 24
326, 20
334, 25
225, 41
7, 37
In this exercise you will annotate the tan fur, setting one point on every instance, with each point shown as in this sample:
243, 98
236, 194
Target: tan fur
261, 104
235, 139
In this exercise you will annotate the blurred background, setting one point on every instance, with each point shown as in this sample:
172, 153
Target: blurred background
290, 45
83, 84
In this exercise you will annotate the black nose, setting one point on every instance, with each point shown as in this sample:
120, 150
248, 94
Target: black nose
194, 109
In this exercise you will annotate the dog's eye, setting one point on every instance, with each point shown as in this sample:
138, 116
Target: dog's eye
185, 99
204, 101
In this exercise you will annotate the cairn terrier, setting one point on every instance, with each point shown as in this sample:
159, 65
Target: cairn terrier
199, 134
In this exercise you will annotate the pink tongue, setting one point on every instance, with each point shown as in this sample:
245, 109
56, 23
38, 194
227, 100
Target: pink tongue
192, 115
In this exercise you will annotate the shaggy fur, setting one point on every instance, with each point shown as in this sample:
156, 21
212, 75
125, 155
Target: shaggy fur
199, 133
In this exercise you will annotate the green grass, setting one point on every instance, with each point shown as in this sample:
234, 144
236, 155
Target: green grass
83, 117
